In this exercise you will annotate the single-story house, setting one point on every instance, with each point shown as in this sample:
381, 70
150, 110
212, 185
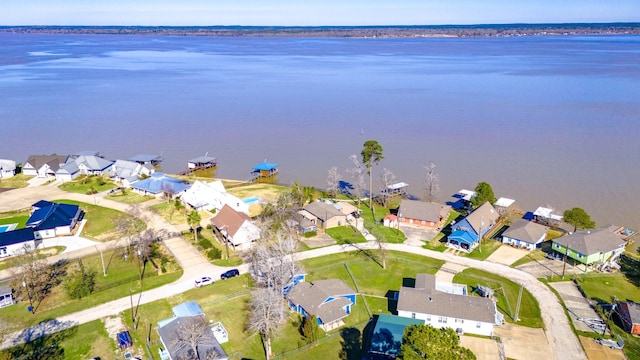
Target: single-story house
348, 209
212, 196
525, 234
186, 314
629, 313
159, 185
6, 296
54, 219
236, 228
463, 313
13, 242
7, 168
329, 300
306, 221
43, 165
387, 336
83, 165
420, 213
127, 172
466, 233
503, 205
327, 214
592, 248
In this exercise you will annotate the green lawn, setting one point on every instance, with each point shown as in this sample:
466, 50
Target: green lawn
101, 221
18, 181
88, 185
170, 213
507, 293
122, 275
346, 235
486, 248
127, 196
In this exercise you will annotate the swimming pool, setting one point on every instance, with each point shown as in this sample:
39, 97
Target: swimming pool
251, 200
7, 227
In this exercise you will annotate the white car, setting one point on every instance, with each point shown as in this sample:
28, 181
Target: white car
202, 281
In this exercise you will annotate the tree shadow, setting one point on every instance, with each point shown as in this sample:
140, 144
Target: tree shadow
630, 267
351, 345
43, 341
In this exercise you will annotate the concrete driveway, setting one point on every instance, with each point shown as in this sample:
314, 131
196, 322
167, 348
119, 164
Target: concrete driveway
417, 235
547, 267
578, 306
596, 351
524, 343
483, 349
507, 255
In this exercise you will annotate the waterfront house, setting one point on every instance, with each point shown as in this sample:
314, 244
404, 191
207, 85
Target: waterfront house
43, 166
83, 165
126, 172
423, 214
212, 196
466, 234
463, 313
329, 300
593, 249
7, 168
325, 214
160, 185
629, 313
525, 234
236, 228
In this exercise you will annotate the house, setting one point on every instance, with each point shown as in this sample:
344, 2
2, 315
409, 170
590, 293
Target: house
348, 209
212, 196
159, 185
525, 234
127, 172
83, 165
466, 233
387, 336
504, 205
264, 170
629, 313
306, 221
53, 219
591, 248
146, 159
7, 168
327, 215
13, 242
329, 300
424, 214
43, 165
6, 296
236, 228
187, 315
463, 313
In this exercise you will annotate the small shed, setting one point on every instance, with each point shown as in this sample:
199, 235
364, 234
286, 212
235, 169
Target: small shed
6, 296
390, 221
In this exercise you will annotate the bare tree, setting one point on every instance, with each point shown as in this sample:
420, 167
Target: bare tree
267, 312
333, 181
357, 176
386, 178
194, 334
431, 183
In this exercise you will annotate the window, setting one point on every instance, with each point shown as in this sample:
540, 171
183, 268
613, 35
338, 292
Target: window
3, 251
428, 318
442, 319
413, 315
478, 325
459, 321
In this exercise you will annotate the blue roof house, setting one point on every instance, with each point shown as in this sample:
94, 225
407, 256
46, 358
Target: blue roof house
466, 234
12, 242
159, 184
53, 219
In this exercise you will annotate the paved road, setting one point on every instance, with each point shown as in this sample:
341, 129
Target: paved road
562, 340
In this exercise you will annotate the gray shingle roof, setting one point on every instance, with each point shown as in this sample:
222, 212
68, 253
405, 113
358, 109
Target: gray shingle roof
420, 210
428, 300
589, 242
312, 297
482, 217
527, 231
169, 333
323, 210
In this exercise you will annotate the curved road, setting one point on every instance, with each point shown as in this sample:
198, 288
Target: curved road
562, 340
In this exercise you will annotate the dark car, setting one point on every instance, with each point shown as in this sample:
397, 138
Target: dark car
229, 274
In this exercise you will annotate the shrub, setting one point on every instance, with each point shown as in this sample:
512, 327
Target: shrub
310, 234
81, 283
214, 254
205, 244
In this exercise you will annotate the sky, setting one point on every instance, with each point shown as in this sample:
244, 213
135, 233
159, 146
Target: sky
313, 12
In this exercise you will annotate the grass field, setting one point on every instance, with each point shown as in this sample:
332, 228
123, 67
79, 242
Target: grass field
507, 293
346, 235
127, 196
88, 184
18, 181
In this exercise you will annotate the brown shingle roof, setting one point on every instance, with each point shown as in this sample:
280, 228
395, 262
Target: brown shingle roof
424, 211
482, 217
229, 219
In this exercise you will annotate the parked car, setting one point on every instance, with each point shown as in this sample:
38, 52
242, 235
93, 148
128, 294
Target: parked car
229, 274
202, 281
611, 343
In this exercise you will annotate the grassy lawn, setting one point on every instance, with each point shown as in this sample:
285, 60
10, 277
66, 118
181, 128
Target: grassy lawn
169, 212
122, 275
88, 185
18, 181
127, 196
376, 228
101, 221
486, 248
346, 235
20, 220
207, 241
507, 293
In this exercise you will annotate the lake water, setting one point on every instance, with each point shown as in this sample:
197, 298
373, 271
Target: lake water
548, 121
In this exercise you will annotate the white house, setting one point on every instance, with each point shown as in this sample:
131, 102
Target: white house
83, 165
125, 172
468, 314
7, 168
236, 228
43, 165
212, 195
13, 242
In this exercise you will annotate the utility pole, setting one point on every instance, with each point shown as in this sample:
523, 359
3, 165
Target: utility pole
564, 264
